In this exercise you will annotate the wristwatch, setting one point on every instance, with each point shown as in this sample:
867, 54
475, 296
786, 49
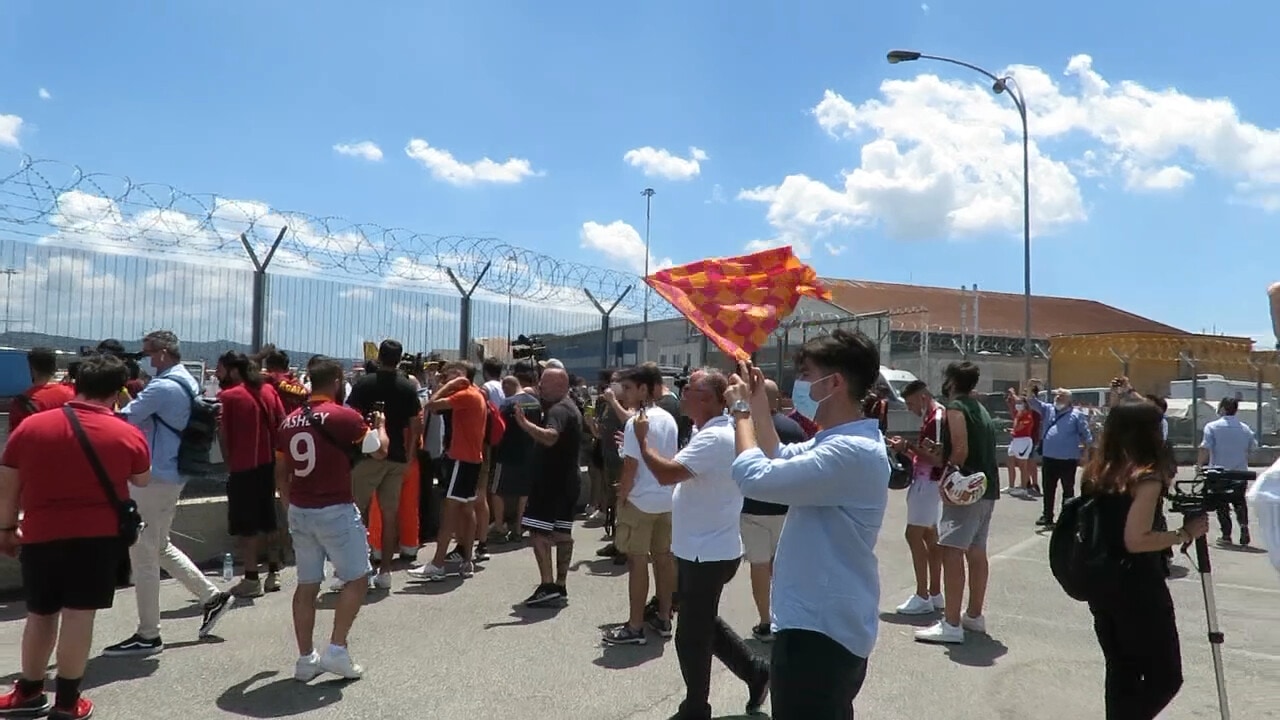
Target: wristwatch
740, 408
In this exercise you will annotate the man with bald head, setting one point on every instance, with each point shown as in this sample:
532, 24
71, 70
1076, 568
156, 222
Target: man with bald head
762, 521
555, 488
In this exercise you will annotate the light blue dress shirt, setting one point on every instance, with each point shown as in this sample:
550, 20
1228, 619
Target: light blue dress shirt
1065, 433
1229, 442
163, 398
826, 577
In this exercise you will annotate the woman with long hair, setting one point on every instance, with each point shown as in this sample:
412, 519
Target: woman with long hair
1133, 614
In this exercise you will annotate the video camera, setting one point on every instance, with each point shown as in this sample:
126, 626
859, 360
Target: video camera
1212, 488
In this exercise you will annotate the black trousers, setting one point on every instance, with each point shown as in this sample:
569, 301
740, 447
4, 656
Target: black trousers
701, 634
1224, 517
1054, 473
813, 677
1138, 635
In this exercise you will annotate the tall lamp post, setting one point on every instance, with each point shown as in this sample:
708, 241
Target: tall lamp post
999, 85
648, 194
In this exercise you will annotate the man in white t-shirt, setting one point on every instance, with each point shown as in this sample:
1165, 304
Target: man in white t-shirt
643, 530
492, 369
707, 542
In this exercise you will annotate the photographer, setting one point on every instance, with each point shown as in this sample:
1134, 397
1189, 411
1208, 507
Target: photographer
1132, 609
1227, 444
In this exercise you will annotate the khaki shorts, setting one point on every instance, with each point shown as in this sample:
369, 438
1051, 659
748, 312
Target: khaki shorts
642, 533
383, 478
760, 535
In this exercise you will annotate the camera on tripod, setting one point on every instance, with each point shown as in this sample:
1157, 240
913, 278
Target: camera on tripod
1212, 488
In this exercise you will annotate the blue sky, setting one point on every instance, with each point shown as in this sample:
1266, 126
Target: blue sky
1156, 192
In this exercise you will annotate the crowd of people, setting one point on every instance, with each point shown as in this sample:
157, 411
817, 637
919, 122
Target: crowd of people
687, 487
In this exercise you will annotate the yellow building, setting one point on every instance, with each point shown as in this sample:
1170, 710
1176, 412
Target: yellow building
1150, 360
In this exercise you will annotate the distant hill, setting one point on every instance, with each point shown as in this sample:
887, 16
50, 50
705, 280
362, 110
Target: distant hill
207, 351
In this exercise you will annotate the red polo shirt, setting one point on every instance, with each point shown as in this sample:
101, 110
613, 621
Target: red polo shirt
59, 494
41, 397
250, 421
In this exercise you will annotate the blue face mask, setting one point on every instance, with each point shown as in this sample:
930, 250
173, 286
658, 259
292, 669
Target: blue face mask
802, 398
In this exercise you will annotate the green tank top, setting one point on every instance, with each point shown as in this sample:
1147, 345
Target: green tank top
981, 432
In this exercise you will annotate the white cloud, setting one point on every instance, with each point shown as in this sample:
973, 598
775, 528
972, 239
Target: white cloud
365, 150
444, 166
657, 162
941, 158
10, 125
44, 94
621, 244
717, 195
924, 8
834, 250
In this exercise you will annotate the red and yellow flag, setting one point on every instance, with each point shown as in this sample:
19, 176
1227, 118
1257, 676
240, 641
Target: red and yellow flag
737, 302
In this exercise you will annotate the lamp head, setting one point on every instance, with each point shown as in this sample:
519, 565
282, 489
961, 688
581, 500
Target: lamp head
999, 86
899, 56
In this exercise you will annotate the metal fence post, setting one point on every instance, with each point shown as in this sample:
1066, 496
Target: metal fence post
605, 323
1124, 361
464, 310
1257, 375
1185, 356
260, 287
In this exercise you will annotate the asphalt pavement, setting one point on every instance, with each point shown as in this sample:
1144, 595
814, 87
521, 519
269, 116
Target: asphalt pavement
469, 650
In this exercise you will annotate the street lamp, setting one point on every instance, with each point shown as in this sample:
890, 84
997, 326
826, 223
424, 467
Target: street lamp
999, 85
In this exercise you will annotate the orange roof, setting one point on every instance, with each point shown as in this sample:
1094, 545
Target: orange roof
999, 314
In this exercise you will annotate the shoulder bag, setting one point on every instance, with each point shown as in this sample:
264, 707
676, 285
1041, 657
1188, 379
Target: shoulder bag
129, 519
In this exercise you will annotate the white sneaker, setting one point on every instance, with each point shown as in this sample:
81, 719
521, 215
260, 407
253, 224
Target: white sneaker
974, 624
381, 581
938, 602
307, 668
941, 632
337, 584
338, 661
915, 605
427, 572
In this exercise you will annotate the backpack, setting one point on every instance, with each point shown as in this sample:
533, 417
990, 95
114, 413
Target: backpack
494, 427
1080, 555
197, 438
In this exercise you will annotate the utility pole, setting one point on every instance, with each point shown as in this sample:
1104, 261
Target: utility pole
648, 194
8, 295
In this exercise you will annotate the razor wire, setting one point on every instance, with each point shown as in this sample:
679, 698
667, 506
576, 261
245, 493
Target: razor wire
50, 202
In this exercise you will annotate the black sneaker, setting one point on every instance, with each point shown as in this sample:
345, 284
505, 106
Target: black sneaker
482, 552
1044, 521
1225, 541
213, 612
25, 702
454, 556
136, 646
762, 632
547, 593
1244, 537
625, 635
564, 592
661, 627
758, 692
514, 537
609, 550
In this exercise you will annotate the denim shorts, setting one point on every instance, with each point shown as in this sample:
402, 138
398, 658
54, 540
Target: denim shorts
333, 532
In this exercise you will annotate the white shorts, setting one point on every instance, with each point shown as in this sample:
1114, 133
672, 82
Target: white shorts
924, 503
1265, 496
760, 535
1020, 448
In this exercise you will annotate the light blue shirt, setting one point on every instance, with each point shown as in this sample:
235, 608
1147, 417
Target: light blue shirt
163, 398
1065, 432
826, 577
1229, 442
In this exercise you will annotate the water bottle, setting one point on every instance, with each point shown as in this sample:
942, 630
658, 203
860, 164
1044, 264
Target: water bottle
228, 568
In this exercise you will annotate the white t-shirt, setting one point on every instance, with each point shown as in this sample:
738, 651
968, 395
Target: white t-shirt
706, 508
493, 388
664, 437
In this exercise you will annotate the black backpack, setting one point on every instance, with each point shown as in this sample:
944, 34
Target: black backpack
1081, 555
198, 436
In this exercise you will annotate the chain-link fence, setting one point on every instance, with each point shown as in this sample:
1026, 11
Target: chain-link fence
86, 256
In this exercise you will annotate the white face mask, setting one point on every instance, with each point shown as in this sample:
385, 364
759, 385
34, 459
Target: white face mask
802, 397
1020, 407
1061, 405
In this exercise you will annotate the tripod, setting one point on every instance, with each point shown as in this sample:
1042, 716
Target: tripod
1216, 638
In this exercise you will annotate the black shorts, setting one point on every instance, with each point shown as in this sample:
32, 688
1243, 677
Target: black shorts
510, 480
552, 504
462, 480
251, 502
75, 574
